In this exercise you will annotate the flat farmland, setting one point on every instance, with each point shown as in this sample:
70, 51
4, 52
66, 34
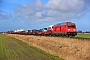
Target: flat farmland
83, 35
14, 49
66, 48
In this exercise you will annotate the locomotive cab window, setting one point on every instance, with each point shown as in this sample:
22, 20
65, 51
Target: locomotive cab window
72, 26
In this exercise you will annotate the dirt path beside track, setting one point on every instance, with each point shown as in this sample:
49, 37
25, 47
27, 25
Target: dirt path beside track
67, 48
13, 49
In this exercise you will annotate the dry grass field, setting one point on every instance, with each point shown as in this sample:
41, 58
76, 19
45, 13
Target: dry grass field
66, 48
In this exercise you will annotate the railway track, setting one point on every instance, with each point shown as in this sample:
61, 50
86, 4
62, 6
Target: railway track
79, 38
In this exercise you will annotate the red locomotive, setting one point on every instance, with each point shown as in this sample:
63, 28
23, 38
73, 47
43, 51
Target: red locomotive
60, 29
64, 29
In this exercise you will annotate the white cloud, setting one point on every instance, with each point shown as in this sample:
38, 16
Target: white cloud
53, 10
66, 5
4, 16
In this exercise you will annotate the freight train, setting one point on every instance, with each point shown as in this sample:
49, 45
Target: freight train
60, 29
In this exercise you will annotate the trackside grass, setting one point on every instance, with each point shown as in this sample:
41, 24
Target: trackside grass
83, 35
14, 49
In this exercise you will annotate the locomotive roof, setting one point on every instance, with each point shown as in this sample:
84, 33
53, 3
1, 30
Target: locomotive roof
61, 23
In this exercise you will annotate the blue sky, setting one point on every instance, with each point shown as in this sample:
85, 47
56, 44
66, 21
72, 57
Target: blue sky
36, 14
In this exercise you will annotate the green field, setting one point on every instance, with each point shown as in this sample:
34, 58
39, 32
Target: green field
13, 49
83, 35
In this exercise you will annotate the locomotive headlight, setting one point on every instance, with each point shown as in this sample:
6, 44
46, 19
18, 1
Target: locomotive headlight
68, 29
74, 29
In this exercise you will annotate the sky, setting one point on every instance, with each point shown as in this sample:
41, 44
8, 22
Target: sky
36, 14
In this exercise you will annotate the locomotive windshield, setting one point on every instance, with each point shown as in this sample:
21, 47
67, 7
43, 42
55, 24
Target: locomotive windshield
71, 25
